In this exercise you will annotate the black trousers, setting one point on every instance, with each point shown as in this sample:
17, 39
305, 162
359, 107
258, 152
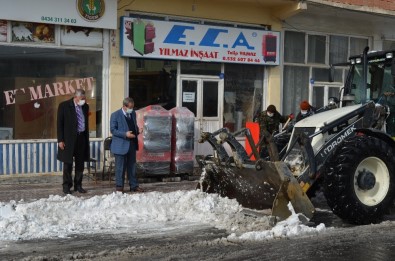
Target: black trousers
79, 152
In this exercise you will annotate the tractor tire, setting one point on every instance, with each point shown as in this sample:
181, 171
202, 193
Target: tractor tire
359, 180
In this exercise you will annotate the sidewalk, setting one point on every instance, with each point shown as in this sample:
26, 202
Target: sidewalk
30, 192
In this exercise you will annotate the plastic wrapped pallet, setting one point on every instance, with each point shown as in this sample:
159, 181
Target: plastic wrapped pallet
154, 154
182, 145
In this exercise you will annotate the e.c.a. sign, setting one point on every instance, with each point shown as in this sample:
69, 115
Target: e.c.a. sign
187, 41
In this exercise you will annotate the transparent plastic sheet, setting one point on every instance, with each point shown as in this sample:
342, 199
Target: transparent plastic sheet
182, 140
154, 154
153, 168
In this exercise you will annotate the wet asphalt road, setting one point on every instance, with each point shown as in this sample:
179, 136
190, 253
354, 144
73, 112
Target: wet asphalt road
372, 242
192, 242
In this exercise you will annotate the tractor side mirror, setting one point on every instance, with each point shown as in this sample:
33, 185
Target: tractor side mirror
332, 74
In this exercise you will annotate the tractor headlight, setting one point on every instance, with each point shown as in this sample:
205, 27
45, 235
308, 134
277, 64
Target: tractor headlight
358, 60
388, 55
352, 61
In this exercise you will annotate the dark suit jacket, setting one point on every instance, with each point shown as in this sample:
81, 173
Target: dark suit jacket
118, 127
67, 130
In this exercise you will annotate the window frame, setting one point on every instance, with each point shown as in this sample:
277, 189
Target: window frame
315, 65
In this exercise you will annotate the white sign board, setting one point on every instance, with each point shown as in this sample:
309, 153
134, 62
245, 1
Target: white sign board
188, 97
196, 42
85, 13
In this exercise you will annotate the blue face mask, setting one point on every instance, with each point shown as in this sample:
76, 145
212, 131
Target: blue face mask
129, 110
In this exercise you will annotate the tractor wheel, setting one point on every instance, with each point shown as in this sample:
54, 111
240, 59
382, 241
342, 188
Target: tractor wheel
359, 182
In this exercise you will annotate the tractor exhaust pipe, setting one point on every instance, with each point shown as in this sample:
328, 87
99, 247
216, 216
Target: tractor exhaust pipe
364, 94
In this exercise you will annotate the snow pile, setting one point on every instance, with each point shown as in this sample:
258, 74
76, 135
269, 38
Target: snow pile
291, 227
58, 216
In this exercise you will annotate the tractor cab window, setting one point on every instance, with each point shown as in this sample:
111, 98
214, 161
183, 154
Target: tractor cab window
381, 84
357, 83
375, 81
379, 81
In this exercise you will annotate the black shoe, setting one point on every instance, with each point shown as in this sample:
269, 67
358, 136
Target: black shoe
67, 191
80, 189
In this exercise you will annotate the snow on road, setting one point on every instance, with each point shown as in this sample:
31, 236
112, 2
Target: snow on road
58, 216
291, 227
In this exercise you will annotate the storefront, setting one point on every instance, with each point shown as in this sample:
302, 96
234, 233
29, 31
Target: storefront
215, 70
221, 63
47, 51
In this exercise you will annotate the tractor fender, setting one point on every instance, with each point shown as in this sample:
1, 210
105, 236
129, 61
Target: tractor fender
378, 134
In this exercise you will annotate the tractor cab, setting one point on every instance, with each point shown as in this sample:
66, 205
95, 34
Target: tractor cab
371, 77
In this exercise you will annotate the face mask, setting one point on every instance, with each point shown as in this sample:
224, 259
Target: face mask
270, 114
129, 110
303, 112
81, 102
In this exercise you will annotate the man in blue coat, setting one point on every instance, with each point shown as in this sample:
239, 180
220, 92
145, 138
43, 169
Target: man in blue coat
124, 145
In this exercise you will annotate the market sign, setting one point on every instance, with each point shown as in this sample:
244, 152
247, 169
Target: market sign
49, 90
85, 13
142, 38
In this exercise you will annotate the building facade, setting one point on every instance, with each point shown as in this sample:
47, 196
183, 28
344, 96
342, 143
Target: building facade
225, 60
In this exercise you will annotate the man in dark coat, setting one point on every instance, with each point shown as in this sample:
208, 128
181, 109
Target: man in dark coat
73, 139
269, 121
124, 130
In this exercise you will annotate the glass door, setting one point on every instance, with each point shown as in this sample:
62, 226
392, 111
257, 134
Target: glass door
204, 98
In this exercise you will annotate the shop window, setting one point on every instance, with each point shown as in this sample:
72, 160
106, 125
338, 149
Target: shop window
33, 32
242, 95
296, 87
191, 67
294, 47
318, 96
321, 94
316, 49
153, 82
296, 80
333, 92
3, 31
322, 75
33, 81
388, 45
338, 49
357, 45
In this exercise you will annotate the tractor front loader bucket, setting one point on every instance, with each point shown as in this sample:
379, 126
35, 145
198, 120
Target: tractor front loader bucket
255, 185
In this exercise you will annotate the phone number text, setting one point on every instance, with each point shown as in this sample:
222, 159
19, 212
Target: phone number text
58, 20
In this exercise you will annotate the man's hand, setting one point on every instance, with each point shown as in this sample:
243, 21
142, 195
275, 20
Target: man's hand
291, 116
141, 130
61, 145
130, 135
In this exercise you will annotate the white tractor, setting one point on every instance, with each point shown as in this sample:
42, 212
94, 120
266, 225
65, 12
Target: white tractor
349, 151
